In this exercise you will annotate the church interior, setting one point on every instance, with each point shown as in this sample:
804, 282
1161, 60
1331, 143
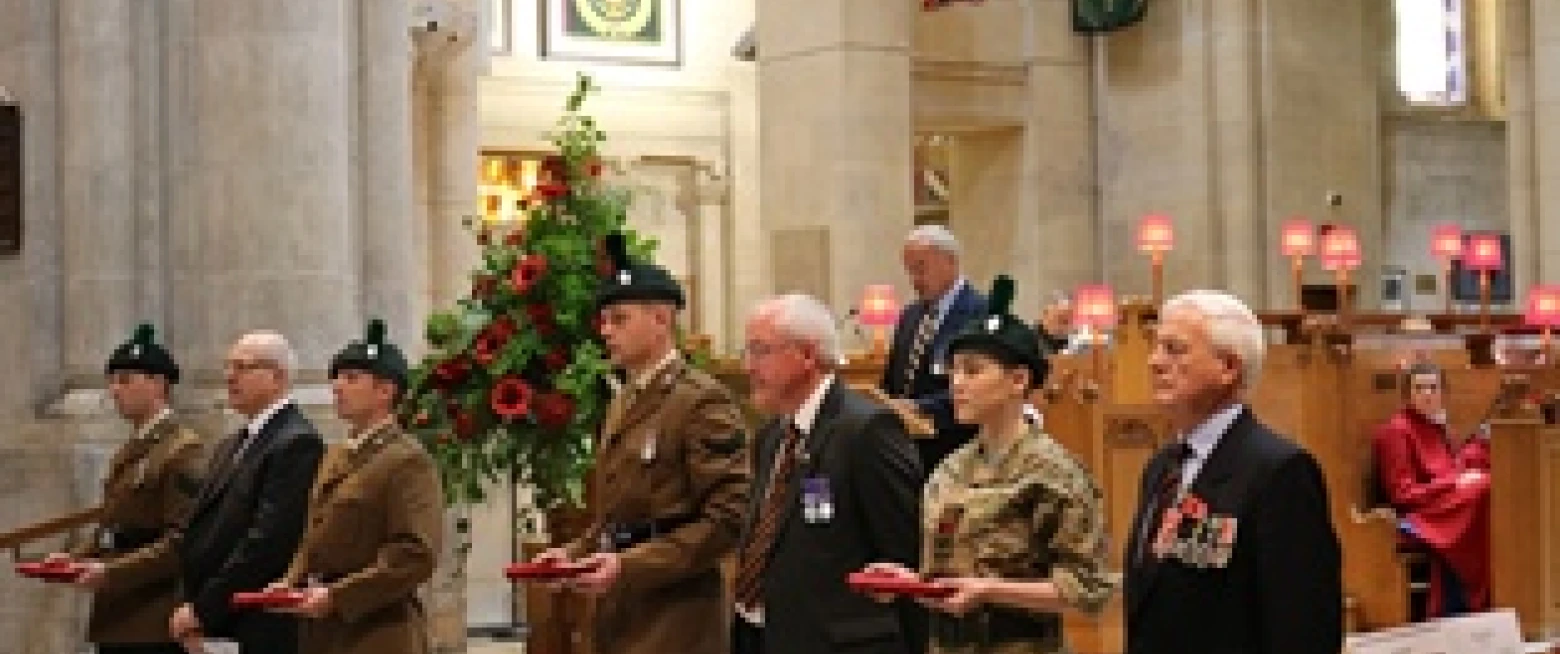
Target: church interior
1378, 179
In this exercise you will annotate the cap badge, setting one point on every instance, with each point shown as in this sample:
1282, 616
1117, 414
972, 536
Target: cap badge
993, 323
624, 278
373, 351
135, 351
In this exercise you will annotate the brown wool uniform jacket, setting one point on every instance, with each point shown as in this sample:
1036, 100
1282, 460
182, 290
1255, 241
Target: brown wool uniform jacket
671, 480
376, 519
151, 486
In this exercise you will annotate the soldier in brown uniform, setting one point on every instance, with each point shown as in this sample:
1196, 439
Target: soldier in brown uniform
376, 516
130, 564
1012, 522
671, 481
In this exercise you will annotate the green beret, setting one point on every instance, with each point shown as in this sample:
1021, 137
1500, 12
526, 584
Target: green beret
636, 282
373, 355
142, 354
1003, 336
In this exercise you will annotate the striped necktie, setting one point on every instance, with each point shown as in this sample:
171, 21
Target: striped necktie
755, 554
923, 338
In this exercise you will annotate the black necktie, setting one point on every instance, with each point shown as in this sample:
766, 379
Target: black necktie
1164, 493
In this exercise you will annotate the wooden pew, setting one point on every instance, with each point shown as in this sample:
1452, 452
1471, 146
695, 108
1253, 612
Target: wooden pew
1525, 522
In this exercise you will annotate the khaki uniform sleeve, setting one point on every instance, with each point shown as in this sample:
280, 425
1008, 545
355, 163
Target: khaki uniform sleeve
415, 525
1080, 545
179, 485
716, 458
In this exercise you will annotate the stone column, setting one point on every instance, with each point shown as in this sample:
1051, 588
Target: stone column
97, 174
1542, 127
835, 137
454, 148
394, 268
269, 243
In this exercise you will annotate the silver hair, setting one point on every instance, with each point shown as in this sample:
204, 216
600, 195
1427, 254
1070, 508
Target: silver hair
273, 347
936, 237
1232, 328
804, 318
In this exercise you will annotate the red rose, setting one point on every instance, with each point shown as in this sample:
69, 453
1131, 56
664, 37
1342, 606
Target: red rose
452, 372
504, 326
465, 426
487, 346
556, 360
554, 167
554, 410
552, 190
525, 273
514, 238
594, 169
511, 398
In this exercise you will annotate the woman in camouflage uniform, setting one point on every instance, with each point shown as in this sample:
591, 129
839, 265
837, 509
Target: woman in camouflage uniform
1012, 523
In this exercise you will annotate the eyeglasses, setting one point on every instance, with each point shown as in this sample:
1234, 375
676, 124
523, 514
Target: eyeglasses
241, 365
1426, 388
758, 350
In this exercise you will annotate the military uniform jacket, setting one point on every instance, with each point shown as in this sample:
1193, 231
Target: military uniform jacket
376, 518
1031, 512
151, 485
672, 472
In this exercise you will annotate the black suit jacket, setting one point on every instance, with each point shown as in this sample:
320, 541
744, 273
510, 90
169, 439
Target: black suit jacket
1282, 591
874, 479
245, 527
930, 388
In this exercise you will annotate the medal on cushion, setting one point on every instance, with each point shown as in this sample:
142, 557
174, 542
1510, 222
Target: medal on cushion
817, 501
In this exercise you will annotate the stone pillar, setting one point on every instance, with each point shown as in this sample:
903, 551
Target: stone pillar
746, 251
394, 270
30, 283
269, 242
454, 149
97, 175
835, 137
1521, 143
1539, 126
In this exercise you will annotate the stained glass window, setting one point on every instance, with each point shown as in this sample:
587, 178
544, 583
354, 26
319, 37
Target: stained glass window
1432, 52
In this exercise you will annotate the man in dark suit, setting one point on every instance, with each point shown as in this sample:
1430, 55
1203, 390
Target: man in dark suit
945, 304
836, 485
249, 516
1232, 548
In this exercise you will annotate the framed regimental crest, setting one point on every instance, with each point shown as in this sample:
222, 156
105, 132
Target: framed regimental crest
613, 31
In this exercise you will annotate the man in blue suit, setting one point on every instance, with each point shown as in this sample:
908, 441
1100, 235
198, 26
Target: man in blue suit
945, 304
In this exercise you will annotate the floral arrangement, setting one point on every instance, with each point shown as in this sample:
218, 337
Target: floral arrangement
514, 383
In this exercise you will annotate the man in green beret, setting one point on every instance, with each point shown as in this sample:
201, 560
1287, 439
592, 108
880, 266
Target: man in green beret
129, 564
671, 484
376, 516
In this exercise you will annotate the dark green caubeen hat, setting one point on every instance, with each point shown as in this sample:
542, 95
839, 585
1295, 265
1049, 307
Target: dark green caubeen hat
1003, 336
636, 282
373, 355
143, 354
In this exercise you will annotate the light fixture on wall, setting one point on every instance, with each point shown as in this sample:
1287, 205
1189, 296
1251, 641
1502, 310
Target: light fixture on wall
1543, 311
1155, 237
1341, 255
879, 311
1446, 244
1483, 255
1297, 241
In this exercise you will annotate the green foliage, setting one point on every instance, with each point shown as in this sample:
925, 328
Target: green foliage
515, 379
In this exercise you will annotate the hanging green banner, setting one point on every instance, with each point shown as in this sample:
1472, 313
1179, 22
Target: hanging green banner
1093, 16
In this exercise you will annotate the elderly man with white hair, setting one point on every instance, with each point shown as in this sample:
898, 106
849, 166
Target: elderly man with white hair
836, 485
1232, 550
248, 516
945, 304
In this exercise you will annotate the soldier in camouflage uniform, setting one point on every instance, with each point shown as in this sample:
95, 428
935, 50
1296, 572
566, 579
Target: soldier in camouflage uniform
1012, 522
